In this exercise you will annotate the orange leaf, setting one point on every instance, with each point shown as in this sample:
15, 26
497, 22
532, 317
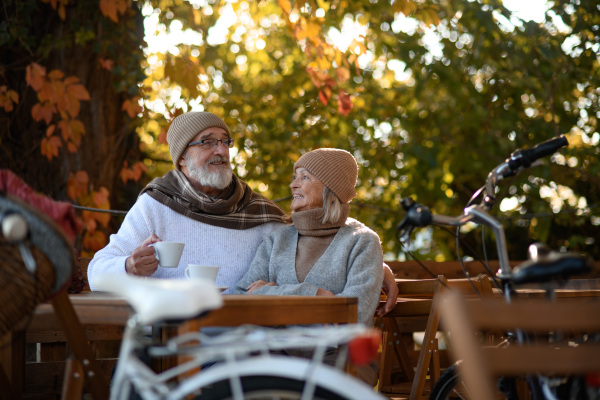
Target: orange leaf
109, 9
71, 147
101, 201
108, 64
77, 131
50, 130
101, 198
71, 80
90, 222
343, 74
77, 185
43, 111
57, 94
50, 147
78, 91
14, 96
138, 169
72, 106
56, 74
34, 75
45, 92
7, 98
132, 107
94, 241
162, 136
125, 173
285, 5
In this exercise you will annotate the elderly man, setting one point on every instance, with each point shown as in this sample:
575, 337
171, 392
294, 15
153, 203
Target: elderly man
201, 203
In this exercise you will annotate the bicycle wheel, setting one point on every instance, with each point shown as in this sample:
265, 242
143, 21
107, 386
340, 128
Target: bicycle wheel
444, 388
266, 387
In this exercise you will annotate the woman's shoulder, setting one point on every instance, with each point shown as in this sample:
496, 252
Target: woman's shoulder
356, 227
282, 231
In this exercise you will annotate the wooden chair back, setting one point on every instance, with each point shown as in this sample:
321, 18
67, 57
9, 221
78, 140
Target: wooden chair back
418, 310
481, 365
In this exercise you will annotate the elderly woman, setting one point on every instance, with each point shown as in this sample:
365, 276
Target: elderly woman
324, 253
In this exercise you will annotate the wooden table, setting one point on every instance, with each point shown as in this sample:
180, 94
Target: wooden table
103, 317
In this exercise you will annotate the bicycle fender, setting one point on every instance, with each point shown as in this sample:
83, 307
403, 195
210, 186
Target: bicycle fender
284, 367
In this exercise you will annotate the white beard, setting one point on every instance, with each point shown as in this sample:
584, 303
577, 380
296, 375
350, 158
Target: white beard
218, 180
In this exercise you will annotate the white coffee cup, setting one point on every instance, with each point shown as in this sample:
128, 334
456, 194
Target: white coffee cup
168, 253
198, 271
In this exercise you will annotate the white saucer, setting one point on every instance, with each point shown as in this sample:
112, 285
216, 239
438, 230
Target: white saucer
222, 288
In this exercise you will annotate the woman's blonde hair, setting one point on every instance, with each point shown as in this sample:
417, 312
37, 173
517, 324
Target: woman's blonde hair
332, 207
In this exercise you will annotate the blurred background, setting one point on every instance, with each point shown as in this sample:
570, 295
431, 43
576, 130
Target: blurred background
429, 95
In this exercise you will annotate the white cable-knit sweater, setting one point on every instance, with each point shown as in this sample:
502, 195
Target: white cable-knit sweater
231, 249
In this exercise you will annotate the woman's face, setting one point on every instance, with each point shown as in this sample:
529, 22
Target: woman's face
307, 191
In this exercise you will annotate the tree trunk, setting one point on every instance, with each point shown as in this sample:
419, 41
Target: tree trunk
110, 136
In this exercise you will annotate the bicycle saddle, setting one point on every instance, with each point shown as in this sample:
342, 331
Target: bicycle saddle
550, 265
156, 300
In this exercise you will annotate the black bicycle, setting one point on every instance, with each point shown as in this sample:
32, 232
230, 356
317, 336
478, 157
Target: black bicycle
543, 266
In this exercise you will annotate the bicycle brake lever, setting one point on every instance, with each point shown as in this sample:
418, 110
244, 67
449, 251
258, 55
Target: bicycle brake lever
416, 215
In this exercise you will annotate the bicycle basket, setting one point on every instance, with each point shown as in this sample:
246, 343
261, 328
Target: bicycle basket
20, 289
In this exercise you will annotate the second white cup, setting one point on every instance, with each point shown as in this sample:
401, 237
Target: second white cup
197, 271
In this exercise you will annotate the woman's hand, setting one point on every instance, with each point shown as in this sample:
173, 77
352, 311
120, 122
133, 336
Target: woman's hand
391, 289
143, 261
258, 284
324, 292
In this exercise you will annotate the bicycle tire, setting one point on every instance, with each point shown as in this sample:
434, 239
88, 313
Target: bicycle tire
449, 379
266, 387
445, 385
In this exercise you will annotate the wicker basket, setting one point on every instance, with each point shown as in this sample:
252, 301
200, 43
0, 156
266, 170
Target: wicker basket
20, 291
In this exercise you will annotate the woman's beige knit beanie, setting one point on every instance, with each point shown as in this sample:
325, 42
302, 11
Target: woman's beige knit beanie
184, 129
336, 168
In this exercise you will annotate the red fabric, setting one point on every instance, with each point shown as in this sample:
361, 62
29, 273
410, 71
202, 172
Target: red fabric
61, 212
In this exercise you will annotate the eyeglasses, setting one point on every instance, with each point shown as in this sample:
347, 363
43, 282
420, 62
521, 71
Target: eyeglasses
212, 143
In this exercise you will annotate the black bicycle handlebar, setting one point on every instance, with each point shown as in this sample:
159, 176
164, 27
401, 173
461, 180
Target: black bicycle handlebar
523, 158
418, 215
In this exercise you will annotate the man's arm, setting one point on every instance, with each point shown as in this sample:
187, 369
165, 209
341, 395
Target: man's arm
133, 231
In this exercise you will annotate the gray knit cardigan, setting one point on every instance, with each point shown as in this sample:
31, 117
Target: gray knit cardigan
351, 267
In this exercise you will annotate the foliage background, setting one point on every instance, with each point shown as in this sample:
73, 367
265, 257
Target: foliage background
425, 118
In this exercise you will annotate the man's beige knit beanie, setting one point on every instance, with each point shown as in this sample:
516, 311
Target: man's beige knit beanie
184, 129
336, 168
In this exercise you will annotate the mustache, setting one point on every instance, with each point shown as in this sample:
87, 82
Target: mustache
217, 159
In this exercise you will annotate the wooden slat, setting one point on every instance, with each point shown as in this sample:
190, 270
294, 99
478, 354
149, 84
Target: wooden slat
526, 314
541, 359
45, 378
281, 310
452, 269
92, 333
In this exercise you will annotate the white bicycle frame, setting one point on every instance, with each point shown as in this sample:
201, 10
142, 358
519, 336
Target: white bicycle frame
242, 352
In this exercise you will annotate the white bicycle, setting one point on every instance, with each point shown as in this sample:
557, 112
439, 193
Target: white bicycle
243, 363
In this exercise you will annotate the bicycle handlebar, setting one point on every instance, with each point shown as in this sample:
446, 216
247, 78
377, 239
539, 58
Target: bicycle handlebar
523, 158
418, 215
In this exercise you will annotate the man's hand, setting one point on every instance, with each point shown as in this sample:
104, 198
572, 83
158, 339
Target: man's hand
142, 261
258, 284
391, 289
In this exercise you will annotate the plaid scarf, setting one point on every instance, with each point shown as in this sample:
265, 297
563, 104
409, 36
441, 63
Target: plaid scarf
237, 207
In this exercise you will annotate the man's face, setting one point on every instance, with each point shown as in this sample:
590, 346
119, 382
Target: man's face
206, 166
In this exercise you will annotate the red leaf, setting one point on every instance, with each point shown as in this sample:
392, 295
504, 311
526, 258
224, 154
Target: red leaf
344, 103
